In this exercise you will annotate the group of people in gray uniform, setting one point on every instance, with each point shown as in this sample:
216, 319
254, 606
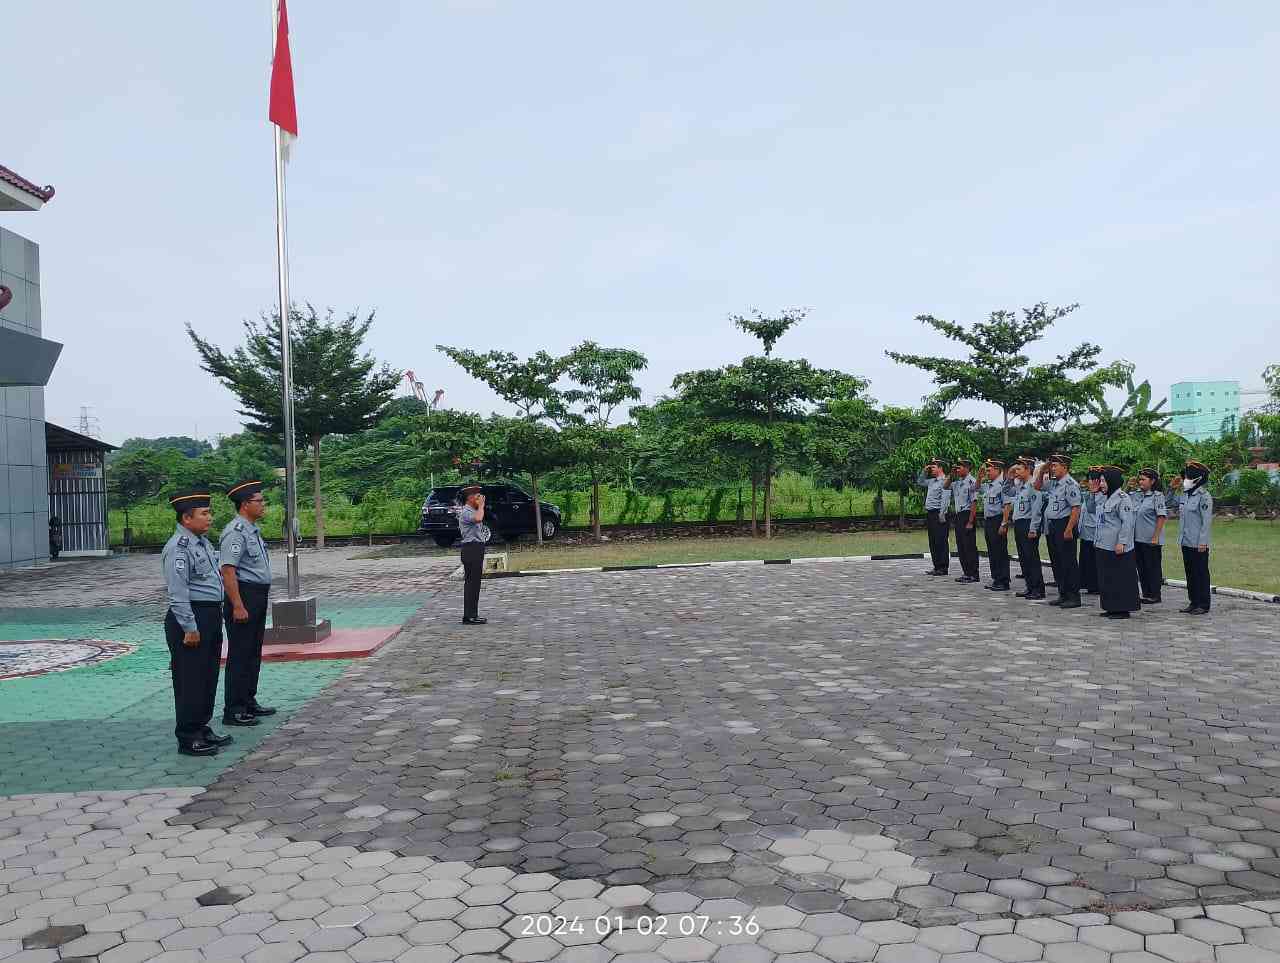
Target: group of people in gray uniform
1103, 538
207, 588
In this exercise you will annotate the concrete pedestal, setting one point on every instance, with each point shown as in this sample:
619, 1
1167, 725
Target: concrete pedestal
294, 621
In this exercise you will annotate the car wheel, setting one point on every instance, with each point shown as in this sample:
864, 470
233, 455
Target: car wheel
444, 541
549, 528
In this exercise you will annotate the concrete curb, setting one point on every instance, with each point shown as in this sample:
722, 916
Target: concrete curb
1229, 592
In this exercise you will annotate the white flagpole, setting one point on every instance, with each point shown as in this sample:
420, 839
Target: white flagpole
286, 357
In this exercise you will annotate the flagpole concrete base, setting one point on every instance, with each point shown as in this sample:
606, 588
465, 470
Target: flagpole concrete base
294, 621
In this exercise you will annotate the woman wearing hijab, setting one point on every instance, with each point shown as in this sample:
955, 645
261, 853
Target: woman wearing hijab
1197, 521
1150, 514
1113, 548
1091, 502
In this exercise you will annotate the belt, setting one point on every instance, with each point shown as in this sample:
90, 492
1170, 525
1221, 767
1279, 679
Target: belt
195, 602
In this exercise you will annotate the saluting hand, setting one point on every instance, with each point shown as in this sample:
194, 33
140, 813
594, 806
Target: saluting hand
191, 639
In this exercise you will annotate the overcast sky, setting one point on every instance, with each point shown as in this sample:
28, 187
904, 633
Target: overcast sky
523, 176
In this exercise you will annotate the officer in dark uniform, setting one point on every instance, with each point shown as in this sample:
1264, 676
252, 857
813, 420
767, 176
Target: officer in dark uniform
997, 497
192, 624
1027, 509
963, 487
246, 574
1062, 516
933, 478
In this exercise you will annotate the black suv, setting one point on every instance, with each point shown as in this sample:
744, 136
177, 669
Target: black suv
508, 511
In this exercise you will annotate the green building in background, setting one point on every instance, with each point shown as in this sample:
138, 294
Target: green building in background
1207, 408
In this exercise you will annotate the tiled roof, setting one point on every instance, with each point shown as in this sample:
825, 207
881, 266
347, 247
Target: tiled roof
17, 180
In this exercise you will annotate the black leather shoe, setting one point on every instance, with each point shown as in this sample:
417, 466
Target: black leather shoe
240, 719
214, 739
1057, 601
1188, 610
936, 572
197, 747
1070, 604
475, 621
258, 710
998, 587
1114, 615
1035, 596
1147, 601
1198, 611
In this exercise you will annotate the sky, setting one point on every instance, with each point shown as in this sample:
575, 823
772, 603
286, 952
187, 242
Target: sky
525, 176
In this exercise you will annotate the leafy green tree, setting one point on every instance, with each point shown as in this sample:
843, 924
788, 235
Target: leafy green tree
531, 387
137, 475
1257, 490
1137, 416
602, 379
758, 411
338, 388
899, 469
996, 369
191, 447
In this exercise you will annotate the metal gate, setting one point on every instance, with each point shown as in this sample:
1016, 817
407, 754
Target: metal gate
78, 496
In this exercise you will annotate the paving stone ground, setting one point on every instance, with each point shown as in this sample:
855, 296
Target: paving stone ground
822, 762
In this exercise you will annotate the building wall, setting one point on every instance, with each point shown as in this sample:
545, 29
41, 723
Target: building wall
1207, 404
24, 492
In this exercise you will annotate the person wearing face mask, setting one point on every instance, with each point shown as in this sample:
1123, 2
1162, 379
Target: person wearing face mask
1090, 502
1026, 508
1150, 514
1113, 548
1062, 515
1195, 535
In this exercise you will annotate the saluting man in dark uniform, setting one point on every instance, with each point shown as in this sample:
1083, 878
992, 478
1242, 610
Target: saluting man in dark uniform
192, 626
1026, 511
475, 533
933, 478
246, 573
963, 487
1062, 516
997, 496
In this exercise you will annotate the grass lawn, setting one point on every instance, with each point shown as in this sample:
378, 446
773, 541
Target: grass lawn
1246, 553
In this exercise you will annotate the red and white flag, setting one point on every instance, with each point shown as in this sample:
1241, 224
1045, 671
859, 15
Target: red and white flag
283, 112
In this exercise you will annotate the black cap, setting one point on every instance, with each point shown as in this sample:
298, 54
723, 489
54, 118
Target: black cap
245, 489
964, 461
472, 490
185, 501
1060, 459
994, 463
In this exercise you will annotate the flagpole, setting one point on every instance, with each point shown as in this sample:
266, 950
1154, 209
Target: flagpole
286, 360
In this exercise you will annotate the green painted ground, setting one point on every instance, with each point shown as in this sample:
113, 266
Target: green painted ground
110, 726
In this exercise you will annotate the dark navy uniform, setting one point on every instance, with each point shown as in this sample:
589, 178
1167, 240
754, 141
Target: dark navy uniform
1197, 525
244, 549
935, 509
964, 491
1062, 511
193, 586
995, 496
1027, 508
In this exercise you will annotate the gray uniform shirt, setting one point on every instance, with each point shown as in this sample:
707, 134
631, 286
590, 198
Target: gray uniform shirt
1026, 506
242, 545
1115, 523
1197, 519
936, 496
1064, 496
472, 531
1090, 507
963, 491
1147, 508
190, 567
1040, 521
994, 495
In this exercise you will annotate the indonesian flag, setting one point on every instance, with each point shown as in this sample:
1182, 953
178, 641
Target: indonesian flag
283, 112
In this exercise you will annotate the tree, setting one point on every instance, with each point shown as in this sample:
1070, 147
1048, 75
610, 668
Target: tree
530, 386
191, 447
1137, 416
997, 370
898, 470
337, 389
758, 411
134, 476
603, 379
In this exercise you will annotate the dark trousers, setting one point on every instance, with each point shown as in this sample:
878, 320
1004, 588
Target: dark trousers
1029, 557
472, 566
967, 545
1196, 563
1067, 565
939, 543
1088, 567
1150, 562
194, 671
244, 649
997, 550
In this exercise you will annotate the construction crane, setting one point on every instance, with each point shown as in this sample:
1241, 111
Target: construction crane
416, 387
